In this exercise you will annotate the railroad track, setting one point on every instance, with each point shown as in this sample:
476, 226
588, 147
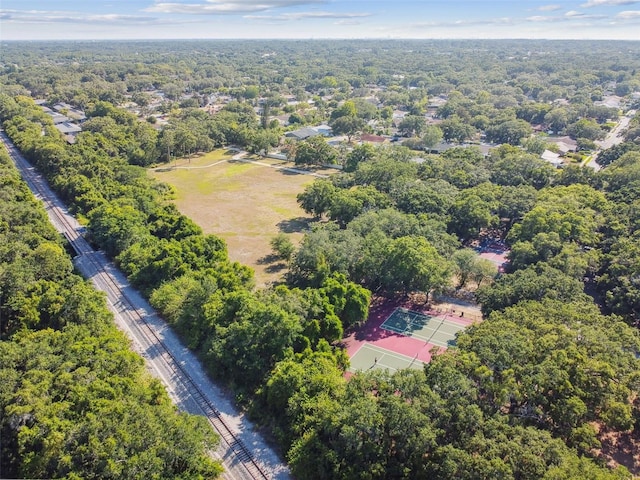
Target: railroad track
137, 319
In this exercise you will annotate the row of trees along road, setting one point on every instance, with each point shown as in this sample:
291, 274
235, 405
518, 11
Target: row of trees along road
530, 383
75, 402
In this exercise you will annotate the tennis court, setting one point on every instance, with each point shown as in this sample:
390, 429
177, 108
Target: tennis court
439, 331
399, 336
370, 357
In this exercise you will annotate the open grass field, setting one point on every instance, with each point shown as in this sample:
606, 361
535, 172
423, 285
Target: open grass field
246, 204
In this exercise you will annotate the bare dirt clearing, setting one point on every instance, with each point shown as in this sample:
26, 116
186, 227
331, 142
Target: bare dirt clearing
620, 448
244, 203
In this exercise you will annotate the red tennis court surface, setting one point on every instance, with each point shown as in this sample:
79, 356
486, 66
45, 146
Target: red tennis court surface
495, 251
380, 339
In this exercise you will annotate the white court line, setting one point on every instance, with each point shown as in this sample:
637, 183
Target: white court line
383, 351
427, 330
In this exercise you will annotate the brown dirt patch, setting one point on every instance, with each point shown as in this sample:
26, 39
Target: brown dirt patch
243, 203
620, 448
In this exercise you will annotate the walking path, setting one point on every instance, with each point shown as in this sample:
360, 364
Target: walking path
240, 157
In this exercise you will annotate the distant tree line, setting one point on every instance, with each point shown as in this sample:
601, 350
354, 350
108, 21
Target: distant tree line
504, 91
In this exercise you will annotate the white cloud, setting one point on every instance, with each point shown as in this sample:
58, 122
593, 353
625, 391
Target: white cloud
464, 23
544, 19
35, 12
575, 15
221, 7
326, 15
33, 16
628, 15
569, 17
303, 15
550, 8
347, 22
608, 3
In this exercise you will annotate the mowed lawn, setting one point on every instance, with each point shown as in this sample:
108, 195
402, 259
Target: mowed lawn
243, 203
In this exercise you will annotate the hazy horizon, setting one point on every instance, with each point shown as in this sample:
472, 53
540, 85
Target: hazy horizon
319, 19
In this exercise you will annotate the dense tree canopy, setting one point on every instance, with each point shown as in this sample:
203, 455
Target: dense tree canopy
75, 401
314, 151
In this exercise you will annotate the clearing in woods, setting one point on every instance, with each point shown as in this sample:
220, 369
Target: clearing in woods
244, 203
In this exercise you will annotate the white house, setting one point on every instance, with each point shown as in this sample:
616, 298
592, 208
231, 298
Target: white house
551, 157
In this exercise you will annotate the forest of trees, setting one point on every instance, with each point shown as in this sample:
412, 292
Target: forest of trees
526, 394
498, 91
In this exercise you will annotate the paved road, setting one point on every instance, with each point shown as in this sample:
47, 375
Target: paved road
242, 450
285, 169
614, 137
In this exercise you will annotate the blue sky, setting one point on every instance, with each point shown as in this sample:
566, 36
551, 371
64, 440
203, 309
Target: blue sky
138, 19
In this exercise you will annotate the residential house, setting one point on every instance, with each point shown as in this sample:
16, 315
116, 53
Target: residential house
55, 116
484, 148
565, 144
302, 133
70, 111
69, 130
324, 130
308, 132
552, 157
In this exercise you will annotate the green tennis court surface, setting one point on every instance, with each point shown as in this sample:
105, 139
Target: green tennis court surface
370, 357
435, 330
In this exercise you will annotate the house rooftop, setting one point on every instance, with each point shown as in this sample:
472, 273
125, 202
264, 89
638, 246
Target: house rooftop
68, 128
302, 133
307, 132
565, 144
70, 110
551, 157
58, 117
